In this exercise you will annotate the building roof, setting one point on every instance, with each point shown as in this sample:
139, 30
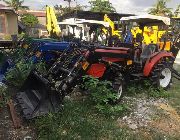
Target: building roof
7, 9
35, 13
88, 15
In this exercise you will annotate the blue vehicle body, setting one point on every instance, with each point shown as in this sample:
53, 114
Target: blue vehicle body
47, 50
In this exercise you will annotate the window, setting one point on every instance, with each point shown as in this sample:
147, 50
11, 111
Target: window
2, 24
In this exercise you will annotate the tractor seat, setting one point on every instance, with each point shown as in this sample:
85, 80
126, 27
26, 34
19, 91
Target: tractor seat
148, 51
115, 52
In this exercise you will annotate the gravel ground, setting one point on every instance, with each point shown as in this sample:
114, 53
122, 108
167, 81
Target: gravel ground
141, 113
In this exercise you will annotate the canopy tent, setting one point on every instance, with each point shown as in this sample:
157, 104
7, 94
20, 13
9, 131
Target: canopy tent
88, 15
147, 20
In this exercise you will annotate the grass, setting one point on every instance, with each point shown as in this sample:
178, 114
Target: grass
175, 93
81, 120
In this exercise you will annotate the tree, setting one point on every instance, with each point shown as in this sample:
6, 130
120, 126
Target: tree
177, 11
29, 20
160, 8
69, 2
16, 4
102, 6
63, 10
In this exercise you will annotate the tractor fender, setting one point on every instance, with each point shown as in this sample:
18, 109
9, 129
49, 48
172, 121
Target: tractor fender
96, 70
153, 61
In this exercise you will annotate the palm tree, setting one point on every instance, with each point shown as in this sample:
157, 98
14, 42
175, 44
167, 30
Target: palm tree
16, 4
69, 2
160, 8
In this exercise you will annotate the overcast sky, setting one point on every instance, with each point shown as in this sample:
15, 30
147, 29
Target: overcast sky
122, 6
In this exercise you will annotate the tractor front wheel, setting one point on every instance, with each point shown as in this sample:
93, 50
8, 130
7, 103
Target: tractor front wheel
118, 86
161, 76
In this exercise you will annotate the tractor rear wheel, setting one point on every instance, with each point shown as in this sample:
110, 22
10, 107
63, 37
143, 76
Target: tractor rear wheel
161, 76
118, 86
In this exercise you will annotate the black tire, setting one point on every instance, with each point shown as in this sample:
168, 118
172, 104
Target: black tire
118, 86
161, 75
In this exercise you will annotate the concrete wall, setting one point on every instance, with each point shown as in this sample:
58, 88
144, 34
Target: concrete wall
12, 23
42, 20
4, 25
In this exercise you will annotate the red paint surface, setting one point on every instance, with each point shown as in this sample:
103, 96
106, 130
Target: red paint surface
112, 51
97, 70
108, 59
154, 59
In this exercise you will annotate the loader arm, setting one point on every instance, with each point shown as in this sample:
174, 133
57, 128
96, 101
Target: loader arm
52, 23
112, 25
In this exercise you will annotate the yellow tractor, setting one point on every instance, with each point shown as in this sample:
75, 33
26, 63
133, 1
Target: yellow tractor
151, 34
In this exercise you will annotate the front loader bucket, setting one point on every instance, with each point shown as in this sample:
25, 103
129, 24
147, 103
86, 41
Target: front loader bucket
36, 97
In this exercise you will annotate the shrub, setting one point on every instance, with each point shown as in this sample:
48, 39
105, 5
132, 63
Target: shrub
102, 94
3, 95
29, 20
19, 73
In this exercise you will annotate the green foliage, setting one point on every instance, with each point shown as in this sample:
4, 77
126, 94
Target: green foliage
16, 4
160, 8
65, 9
19, 73
3, 95
79, 120
29, 20
102, 6
102, 95
158, 93
146, 88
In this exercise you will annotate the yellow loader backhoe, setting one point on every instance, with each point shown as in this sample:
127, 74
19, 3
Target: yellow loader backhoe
52, 23
114, 32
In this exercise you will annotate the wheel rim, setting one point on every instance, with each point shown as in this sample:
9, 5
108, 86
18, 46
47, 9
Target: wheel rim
166, 73
119, 91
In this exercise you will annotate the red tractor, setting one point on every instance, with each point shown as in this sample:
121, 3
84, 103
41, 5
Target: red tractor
120, 65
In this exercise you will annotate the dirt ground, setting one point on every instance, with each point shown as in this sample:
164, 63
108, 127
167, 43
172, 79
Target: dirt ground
147, 115
8, 132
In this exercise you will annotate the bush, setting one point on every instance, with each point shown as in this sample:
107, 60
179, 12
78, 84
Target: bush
103, 95
19, 73
3, 95
147, 88
29, 20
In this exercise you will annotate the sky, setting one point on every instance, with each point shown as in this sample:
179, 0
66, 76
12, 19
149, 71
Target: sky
122, 6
